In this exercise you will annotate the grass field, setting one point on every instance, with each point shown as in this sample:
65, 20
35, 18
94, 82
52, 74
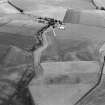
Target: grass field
63, 83
52, 8
96, 97
76, 42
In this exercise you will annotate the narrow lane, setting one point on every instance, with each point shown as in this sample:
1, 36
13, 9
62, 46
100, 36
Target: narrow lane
94, 93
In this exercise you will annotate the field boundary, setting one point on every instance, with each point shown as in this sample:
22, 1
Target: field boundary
93, 2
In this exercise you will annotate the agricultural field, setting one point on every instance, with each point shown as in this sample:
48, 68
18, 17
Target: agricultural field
64, 83
52, 8
70, 64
